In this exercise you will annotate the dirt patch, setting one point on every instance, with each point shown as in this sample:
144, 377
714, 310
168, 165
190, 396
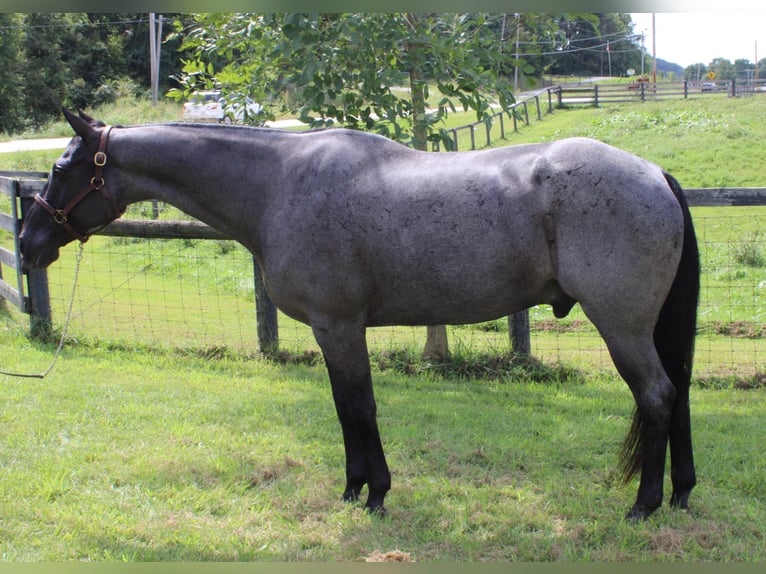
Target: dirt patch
740, 330
267, 475
393, 556
553, 326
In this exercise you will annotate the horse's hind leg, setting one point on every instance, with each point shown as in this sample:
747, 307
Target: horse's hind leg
637, 361
345, 352
682, 473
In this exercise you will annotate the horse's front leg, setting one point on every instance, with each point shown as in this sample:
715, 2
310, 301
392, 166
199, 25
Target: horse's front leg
345, 352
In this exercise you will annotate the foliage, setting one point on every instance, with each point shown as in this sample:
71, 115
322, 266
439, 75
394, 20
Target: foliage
724, 70
11, 93
341, 68
749, 252
73, 59
595, 44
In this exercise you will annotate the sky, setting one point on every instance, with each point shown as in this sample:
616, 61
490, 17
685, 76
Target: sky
687, 38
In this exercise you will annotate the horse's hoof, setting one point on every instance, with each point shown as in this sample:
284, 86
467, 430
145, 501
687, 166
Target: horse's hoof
638, 512
351, 495
377, 511
680, 500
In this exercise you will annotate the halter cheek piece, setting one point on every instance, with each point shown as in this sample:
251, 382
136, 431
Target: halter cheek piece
61, 216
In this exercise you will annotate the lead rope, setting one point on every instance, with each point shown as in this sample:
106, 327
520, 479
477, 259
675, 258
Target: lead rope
60, 347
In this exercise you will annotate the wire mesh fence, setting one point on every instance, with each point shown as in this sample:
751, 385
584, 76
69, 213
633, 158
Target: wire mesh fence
198, 295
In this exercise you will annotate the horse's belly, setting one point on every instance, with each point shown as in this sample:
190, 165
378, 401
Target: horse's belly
458, 297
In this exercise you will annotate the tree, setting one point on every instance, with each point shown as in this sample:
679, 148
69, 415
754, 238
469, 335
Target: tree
343, 69
73, 59
45, 77
12, 87
743, 67
723, 68
695, 72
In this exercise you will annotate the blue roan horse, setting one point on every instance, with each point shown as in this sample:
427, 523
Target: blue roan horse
353, 230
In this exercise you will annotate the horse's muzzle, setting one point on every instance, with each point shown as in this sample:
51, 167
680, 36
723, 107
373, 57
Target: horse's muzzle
36, 253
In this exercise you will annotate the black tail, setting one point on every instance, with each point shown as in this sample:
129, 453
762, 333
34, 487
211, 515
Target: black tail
674, 333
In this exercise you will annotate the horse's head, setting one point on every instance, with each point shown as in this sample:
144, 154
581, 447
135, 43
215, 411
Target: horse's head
76, 201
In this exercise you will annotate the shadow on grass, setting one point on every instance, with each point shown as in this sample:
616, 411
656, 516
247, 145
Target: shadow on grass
473, 365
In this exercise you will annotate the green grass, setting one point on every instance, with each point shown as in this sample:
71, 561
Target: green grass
704, 142
173, 457
162, 436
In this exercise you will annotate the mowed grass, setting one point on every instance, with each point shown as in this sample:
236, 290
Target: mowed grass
189, 447
159, 456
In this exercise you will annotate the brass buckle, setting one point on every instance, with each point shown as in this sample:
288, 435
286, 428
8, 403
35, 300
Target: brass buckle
99, 159
60, 217
97, 182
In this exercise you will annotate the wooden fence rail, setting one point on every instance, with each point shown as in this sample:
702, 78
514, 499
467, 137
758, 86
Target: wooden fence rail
518, 112
599, 94
36, 302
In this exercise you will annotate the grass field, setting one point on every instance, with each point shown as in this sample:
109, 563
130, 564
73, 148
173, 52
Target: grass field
189, 447
161, 456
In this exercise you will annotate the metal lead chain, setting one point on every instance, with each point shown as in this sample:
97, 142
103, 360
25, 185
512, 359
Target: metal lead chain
60, 347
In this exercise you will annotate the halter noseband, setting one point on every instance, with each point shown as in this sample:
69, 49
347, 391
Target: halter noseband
61, 216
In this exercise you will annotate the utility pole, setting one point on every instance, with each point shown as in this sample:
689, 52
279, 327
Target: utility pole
609, 57
155, 41
516, 68
654, 53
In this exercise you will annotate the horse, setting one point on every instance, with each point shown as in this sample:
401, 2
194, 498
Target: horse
352, 230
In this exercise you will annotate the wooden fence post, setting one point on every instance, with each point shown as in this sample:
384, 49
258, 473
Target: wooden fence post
38, 294
519, 331
40, 318
265, 315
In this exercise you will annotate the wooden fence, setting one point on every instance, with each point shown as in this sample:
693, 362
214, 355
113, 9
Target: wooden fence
29, 290
518, 112
599, 94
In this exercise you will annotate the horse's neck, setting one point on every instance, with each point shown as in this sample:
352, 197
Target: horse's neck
210, 174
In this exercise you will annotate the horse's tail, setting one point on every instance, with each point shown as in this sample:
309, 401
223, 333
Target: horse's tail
674, 333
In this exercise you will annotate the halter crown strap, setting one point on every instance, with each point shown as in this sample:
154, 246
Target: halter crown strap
61, 216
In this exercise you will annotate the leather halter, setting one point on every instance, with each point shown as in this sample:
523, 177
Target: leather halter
61, 216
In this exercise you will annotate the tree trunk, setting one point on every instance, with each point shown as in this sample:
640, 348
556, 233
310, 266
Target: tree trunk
437, 346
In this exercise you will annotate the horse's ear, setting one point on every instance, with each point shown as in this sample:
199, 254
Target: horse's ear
90, 120
81, 127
